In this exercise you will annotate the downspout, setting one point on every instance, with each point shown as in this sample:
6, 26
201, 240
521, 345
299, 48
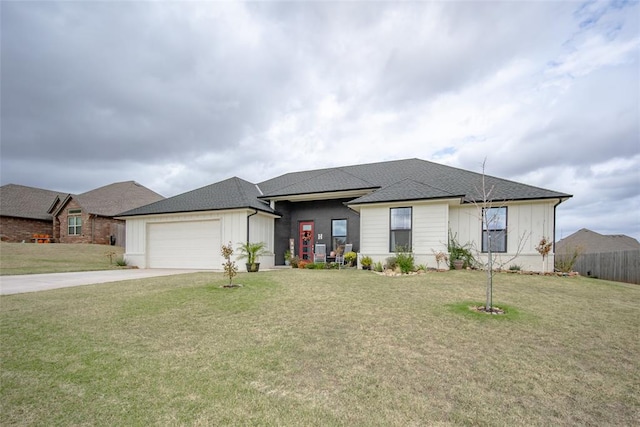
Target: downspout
249, 216
554, 228
93, 228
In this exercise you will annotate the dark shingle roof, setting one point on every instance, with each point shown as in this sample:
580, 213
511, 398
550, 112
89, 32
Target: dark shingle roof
588, 241
26, 202
118, 197
233, 193
406, 189
401, 180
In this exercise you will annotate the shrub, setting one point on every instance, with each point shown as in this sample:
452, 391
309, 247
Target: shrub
303, 263
440, 257
405, 262
350, 257
392, 263
294, 261
378, 267
366, 262
121, 262
458, 251
566, 261
316, 266
515, 267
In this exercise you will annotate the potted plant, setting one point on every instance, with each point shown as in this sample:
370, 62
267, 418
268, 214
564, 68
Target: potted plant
252, 252
458, 264
366, 262
287, 257
350, 258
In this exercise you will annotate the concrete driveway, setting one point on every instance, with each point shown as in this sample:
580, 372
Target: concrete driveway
41, 282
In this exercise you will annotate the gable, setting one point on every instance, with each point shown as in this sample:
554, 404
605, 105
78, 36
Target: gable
233, 193
112, 199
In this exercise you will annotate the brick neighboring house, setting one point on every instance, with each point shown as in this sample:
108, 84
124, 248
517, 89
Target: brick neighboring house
23, 212
89, 217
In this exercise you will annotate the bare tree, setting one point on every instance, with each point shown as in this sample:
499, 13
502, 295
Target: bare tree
490, 218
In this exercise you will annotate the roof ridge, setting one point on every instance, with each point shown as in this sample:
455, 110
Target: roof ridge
342, 169
326, 171
433, 186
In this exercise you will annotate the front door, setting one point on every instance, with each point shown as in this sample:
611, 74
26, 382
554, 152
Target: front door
306, 240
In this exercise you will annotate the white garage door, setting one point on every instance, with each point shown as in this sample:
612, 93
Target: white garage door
189, 244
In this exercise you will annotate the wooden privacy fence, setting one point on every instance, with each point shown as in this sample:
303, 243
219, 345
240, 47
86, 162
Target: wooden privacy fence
621, 266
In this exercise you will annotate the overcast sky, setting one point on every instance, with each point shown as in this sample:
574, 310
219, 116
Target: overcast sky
180, 95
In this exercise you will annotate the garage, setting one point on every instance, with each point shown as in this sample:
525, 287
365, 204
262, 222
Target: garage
188, 244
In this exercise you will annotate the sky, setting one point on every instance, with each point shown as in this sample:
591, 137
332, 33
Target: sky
179, 95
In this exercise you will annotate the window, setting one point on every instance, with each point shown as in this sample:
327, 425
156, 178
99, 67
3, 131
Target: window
494, 229
338, 233
400, 229
74, 221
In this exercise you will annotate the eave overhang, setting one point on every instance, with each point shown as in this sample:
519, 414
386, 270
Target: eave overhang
328, 195
563, 198
451, 200
194, 211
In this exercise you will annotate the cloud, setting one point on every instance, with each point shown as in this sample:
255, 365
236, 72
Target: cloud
178, 96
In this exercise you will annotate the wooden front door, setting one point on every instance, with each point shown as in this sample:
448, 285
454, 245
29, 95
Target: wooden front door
305, 245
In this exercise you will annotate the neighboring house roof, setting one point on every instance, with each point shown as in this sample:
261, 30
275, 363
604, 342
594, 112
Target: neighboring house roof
110, 200
26, 202
233, 193
588, 241
401, 180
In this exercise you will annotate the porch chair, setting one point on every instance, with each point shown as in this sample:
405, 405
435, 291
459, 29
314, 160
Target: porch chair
340, 254
320, 254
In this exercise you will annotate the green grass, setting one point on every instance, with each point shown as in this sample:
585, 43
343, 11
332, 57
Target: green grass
31, 258
322, 347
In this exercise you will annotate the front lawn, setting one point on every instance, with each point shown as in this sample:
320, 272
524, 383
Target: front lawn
314, 347
31, 258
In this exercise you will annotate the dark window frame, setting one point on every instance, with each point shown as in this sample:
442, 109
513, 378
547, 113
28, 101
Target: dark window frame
395, 232
497, 232
334, 246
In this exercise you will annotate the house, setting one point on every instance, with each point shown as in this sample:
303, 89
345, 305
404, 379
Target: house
23, 212
590, 242
90, 217
376, 207
611, 257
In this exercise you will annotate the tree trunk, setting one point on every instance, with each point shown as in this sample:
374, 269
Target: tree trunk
489, 301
